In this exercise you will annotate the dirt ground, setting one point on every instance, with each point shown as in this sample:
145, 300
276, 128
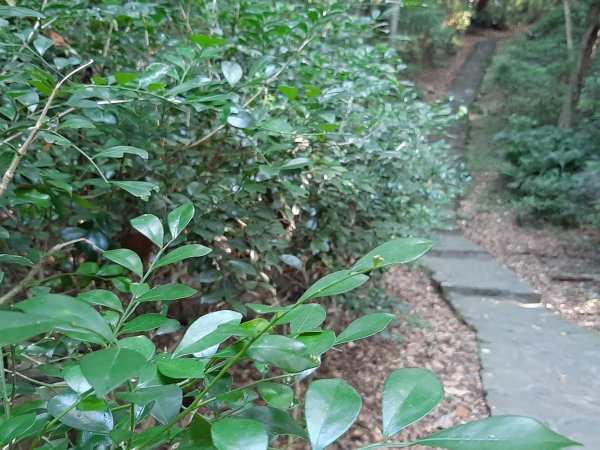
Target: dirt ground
562, 264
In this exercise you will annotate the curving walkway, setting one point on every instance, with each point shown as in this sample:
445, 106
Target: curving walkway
534, 363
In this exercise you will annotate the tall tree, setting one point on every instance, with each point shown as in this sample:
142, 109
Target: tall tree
587, 49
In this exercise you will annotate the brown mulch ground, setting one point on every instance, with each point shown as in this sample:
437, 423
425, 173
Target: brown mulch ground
432, 338
541, 256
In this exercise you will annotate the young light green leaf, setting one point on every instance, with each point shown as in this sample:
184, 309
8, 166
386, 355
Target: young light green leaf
201, 328
409, 395
278, 395
331, 407
17, 327
289, 91
207, 41
15, 427
120, 150
102, 297
239, 434
498, 433
150, 226
335, 283
140, 189
93, 421
283, 352
167, 292
398, 251
71, 315
232, 72
364, 327
126, 258
179, 218
109, 368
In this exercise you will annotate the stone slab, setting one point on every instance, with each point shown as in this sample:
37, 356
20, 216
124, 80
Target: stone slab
454, 244
478, 274
535, 363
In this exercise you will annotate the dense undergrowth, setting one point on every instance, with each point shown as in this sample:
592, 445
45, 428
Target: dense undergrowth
552, 171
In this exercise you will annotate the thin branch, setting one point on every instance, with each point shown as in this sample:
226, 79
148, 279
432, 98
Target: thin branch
35, 269
22, 151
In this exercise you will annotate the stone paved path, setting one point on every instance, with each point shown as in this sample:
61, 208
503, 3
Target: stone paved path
534, 363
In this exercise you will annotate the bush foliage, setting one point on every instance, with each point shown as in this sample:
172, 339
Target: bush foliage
259, 149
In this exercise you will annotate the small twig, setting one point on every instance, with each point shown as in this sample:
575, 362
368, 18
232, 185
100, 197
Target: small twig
576, 277
22, 151
35, 269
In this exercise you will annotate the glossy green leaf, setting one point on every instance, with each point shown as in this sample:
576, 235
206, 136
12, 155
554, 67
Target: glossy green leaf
398, 251
207, 41
17, 11
292, 261
17, 327
181, 253
140, 189
283, 352
319, 342
144, 322
331, 407
276, 394
239, 434
275, 421
167, 400
179, 368
150, 226
498, 433
71, 315
126, 258
140, 344
408, 395
304, 318
109, 368
179, 218
120, 150
279, 126
334, 284
364, 327
192, 341
289, 91
16, 260
94, 421
167, 292
267, 309
103, 298
296, 163
15, 427
232, 72
241, 267
75, 379
124, 78
196, 436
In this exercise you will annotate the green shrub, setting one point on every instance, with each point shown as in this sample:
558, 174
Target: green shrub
555, 172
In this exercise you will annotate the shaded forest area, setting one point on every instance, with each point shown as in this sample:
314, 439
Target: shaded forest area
186, 183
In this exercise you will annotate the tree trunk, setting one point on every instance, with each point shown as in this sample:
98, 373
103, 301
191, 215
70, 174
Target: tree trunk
394, 24
568, 27
582, 66
481, 5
